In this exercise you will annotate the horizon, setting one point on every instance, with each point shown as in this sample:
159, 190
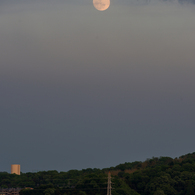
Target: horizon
36, 171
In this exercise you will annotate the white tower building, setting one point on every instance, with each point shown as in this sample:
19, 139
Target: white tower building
15, 169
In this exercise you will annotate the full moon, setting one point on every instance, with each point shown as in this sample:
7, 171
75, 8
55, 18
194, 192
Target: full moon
101, 5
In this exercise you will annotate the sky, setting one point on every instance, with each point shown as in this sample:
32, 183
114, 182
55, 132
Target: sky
82, 88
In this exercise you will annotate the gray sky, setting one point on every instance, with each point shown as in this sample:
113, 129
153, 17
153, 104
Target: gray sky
81, 88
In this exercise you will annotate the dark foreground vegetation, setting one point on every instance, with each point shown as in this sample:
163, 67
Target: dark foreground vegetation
156, 176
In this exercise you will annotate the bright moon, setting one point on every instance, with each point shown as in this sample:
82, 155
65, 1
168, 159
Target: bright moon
101, 5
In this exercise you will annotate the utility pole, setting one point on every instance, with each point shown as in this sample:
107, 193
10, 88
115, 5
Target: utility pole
109, 184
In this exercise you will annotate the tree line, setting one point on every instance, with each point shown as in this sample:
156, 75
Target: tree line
156, 176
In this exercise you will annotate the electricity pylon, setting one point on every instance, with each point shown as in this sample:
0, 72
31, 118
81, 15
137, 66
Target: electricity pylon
109, 184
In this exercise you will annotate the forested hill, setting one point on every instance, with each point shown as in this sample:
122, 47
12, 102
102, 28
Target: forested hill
156, 176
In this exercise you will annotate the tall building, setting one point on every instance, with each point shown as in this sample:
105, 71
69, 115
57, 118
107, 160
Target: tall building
15, 169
